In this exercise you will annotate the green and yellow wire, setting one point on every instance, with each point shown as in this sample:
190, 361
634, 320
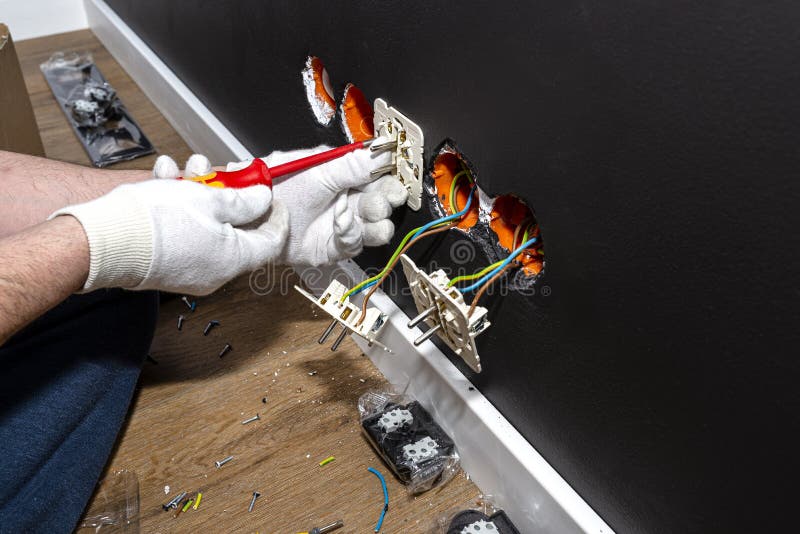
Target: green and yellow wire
453, 207
406, 239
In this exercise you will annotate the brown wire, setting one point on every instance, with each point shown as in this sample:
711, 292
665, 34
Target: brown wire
526, 220
392, 265
483, 288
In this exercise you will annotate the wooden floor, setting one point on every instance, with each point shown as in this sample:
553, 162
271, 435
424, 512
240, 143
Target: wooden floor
188, 408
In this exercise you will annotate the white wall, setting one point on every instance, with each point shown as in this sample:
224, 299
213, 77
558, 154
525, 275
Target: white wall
34, 18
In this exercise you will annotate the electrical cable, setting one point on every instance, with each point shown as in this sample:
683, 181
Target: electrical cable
416, 232
453, 188
504, 263
370, 281
449, 218
495, 265
385, 497
486, 286
526, 223
480, 273
389, 267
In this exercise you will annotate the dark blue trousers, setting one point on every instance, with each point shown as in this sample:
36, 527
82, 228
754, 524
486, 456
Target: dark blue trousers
65, 385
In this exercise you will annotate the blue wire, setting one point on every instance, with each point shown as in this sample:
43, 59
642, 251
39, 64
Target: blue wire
449, 217
428, 226
385, 497
508, 260
365, 287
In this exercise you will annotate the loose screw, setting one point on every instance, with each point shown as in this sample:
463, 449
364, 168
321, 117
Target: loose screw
174, 502
191, 305
225, 350
222, 462
327, 528
256, 495
209, 326
254, 418
180, 322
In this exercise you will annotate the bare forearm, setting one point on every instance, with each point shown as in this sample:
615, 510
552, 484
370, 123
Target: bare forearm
33, 188
39, 268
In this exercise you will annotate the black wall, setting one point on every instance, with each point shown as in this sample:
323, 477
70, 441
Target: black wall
657, 142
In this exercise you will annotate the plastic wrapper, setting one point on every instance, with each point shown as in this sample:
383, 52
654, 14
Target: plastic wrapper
105, 128
114, 509
405, 435
482, 517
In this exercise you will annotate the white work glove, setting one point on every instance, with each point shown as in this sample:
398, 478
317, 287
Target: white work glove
178, 236
335, 209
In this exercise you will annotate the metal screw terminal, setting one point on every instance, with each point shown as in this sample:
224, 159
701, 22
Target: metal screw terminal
386, 169
385, 145
421, 317
327, 332
427, 335
222, 462
339, 339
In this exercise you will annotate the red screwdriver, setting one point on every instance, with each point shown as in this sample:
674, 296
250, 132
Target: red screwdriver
257, 173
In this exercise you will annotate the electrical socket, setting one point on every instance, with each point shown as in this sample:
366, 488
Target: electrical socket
347, 314
390, 124
443, 309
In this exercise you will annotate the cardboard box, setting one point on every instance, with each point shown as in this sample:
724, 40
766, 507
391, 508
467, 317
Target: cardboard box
18, 129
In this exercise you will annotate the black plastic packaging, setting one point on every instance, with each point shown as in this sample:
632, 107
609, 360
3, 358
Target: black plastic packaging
417, 449
105, 128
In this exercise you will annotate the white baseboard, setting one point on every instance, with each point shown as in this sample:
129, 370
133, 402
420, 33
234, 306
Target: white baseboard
201, 130
499, 460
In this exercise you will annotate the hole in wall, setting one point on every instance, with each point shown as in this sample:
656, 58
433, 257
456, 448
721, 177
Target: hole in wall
318, 90
510, 218
357, 114
492, 221
450, 167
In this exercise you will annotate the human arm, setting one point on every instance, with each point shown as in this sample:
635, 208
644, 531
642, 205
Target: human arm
33, 188
336, 208
176, 236
40, 267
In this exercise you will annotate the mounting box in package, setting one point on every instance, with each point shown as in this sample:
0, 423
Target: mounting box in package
481, 517
108, 132
419, 452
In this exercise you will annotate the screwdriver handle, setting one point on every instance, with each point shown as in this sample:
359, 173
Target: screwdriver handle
257, 173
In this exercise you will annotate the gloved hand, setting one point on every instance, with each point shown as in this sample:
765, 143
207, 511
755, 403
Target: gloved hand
335, 209
178, 236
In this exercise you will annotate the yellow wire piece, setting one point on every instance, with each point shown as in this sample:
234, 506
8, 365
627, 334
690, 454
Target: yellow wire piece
197, 501
480, 273
326, 461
